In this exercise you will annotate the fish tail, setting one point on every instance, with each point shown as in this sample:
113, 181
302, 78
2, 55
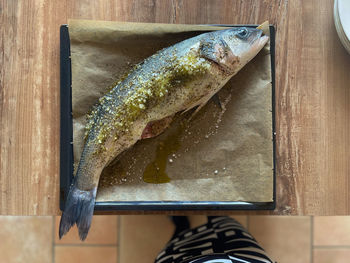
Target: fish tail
78, 210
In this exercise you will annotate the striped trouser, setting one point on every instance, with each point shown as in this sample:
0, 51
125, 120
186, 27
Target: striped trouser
222, 240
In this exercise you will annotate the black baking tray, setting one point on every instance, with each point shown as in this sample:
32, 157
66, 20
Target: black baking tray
66, 147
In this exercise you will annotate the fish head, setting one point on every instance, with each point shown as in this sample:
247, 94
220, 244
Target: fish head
235, 47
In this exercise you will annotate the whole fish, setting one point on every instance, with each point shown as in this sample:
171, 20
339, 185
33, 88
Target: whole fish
178, 78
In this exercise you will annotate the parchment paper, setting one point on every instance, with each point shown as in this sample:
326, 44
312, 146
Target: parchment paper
223, 154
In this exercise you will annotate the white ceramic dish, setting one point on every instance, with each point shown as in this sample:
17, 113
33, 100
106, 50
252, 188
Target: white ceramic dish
342, 22
344, 16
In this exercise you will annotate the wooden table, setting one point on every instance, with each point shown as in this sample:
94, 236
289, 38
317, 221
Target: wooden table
312, 95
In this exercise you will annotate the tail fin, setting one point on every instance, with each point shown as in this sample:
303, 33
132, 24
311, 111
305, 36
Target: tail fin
78, 210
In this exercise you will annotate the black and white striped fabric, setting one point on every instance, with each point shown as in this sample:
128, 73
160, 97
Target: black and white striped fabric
221, 240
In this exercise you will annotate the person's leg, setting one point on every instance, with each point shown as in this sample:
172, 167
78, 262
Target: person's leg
235, 241
181, 223
222, 237
211, 218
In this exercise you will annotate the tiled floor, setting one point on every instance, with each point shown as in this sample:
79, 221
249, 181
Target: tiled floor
139, 239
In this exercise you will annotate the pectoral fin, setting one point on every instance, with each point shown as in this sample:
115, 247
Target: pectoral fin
199, 104
217, 101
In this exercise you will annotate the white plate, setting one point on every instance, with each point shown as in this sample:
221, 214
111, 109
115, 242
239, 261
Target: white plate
344, 16
338, 25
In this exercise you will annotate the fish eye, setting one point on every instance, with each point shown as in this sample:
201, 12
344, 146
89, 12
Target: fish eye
242, 33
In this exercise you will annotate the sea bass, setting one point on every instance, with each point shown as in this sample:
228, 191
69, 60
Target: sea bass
175, 79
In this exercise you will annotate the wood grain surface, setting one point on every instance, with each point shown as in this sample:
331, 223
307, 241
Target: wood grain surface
312, 95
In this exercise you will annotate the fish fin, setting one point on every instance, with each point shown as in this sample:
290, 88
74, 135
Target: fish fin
189, 108
78, 210
201, 104
217, 101
197, 110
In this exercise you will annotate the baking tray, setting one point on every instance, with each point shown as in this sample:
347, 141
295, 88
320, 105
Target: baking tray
66, 147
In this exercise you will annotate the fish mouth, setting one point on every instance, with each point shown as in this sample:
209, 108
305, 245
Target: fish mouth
256, 43
263, 40
259, 40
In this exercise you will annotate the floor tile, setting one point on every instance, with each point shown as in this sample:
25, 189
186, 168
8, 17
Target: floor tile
26, 239
332, 230
143, 237
241, 219
286, 239
331, 255
103, 231
86, 254
197, 220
